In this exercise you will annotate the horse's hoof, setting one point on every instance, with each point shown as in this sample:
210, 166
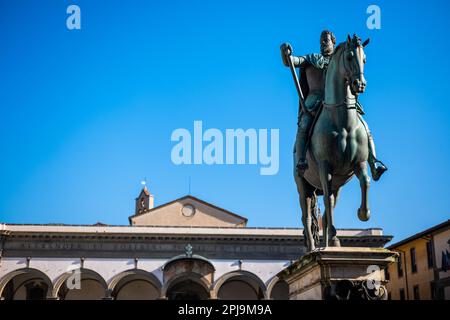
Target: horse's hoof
364, 214
335, 242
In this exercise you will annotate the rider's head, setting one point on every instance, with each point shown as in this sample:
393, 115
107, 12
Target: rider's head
327, 42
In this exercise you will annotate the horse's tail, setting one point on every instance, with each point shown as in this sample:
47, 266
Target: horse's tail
315, 228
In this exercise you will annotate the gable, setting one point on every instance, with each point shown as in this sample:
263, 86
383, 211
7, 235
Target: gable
188, 211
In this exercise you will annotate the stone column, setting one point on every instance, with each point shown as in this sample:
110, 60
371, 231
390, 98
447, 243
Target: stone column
339, 273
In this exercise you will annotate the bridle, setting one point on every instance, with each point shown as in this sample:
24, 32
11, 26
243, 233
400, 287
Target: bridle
349, 76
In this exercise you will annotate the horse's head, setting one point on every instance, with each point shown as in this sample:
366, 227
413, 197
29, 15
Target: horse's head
354, 60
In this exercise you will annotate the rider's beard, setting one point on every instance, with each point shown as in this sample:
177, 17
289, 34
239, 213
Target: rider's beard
327, 51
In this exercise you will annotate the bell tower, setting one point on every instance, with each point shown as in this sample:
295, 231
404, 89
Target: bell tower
144, 201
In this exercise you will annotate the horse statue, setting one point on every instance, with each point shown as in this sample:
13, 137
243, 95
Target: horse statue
338, 147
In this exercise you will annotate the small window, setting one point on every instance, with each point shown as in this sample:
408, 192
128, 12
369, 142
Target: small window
386, 274
416, 292
412, 252
430, 255
400, 266
402, 294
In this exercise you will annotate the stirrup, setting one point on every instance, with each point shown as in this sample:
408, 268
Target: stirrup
380, 163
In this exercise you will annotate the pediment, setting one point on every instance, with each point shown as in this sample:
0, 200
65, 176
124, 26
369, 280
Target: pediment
188, 211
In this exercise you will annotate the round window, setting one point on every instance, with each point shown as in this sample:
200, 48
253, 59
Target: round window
188, 210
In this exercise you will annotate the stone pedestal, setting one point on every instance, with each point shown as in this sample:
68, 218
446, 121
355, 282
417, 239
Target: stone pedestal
339, 273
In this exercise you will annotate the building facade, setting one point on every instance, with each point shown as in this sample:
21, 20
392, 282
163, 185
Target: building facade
422, 270
184, 249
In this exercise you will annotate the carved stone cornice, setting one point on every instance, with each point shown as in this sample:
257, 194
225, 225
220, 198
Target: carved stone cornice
95, 245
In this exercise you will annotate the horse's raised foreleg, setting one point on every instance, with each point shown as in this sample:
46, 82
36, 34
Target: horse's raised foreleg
328, 198
364, 182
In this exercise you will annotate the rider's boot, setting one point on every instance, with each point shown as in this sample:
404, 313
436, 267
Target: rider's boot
377, 168
302, 140
302, 164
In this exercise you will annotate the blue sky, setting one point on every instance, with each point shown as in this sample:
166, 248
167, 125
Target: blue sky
87, 114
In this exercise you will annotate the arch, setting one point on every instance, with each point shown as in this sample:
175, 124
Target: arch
183, 257
272, 284
242, 275
188, 264
120, 280
194, 268
194, 277
33, 273
85, 274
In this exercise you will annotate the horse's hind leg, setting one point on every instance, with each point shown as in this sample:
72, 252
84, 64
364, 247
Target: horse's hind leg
305, 195
305, 203
364, 182
305, 198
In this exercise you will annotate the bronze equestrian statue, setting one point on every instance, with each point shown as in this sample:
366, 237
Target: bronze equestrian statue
333, 141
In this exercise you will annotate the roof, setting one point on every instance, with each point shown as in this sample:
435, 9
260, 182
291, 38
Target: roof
422, 234
196, 199
145, 191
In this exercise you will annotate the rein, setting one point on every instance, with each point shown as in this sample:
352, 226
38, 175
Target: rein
342, 104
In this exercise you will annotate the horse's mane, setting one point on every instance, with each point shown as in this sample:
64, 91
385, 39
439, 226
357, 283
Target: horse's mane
341, 46
355, 41
338, 50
